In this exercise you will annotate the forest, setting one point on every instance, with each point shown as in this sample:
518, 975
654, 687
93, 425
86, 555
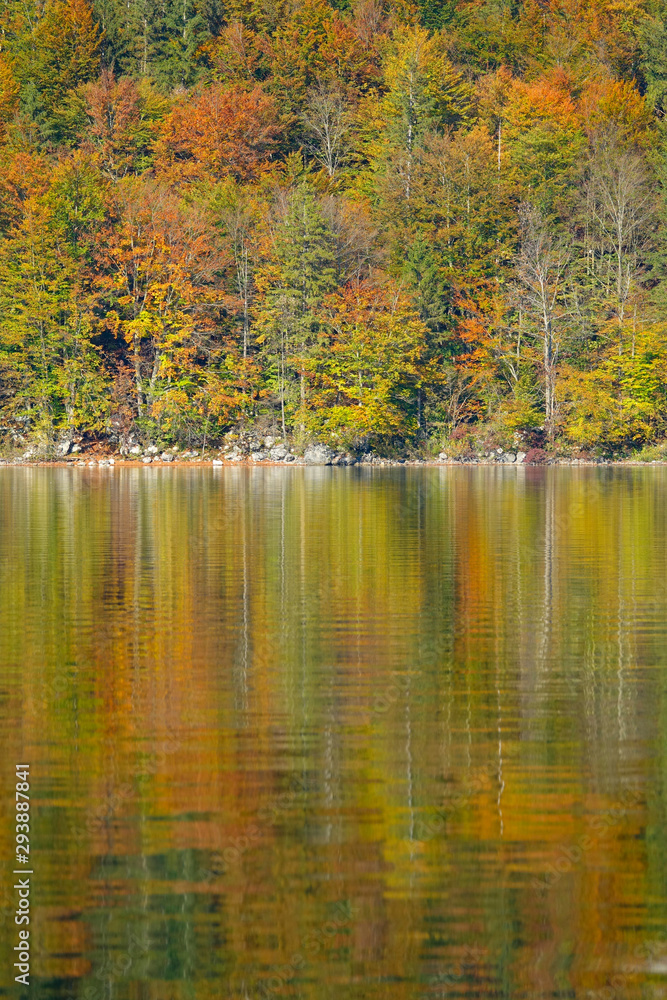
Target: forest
391, 224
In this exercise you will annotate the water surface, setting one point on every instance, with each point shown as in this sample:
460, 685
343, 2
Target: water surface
338, 734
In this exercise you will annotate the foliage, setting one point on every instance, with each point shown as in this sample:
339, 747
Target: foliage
365, 222
365, 378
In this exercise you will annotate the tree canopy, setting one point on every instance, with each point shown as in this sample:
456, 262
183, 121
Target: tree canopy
377, 222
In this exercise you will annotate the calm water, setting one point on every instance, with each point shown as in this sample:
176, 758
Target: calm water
337, 734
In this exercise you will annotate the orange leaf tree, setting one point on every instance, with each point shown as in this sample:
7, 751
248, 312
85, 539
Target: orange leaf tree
158, 286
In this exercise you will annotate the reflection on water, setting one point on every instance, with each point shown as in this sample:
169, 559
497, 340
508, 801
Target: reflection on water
329, 733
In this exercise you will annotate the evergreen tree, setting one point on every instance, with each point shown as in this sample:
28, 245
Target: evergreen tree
299, 273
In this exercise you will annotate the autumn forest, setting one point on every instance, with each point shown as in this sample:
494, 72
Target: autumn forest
400, 225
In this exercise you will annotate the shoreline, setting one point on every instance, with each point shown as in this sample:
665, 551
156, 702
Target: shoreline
111, 462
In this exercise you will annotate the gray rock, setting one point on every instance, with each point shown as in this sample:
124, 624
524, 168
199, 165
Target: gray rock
218, 461
63, 447
152, 450
269, 442
508, 457
75, 449
289, 458
147, 459
278, 453
520, 456
136, 449
258, 456
318, 454
166, 457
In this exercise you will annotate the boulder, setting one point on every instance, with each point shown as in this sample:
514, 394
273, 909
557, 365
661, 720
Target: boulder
166, 457
63, 447
135, 449
218, 461
520, 456
278, 453
318, 454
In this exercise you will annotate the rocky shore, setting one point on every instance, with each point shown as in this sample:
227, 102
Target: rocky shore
269, 450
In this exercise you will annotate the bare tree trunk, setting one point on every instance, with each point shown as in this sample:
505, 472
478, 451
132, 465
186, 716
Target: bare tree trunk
622, 207
542, 269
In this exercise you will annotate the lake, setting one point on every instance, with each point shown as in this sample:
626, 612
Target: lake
337, 734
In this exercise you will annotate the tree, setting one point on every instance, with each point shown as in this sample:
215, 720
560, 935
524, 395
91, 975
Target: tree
64, 53
76, 197
542, 271
238, 216
622, 207
367, 374
328, 122
156, 283
9, 93
425, 94
151, 40
544, 141
313, 45
221, 132
117, 122
621, 401
299, 272
50, 368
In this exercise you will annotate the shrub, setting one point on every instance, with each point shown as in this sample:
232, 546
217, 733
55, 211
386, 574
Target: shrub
536, 456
